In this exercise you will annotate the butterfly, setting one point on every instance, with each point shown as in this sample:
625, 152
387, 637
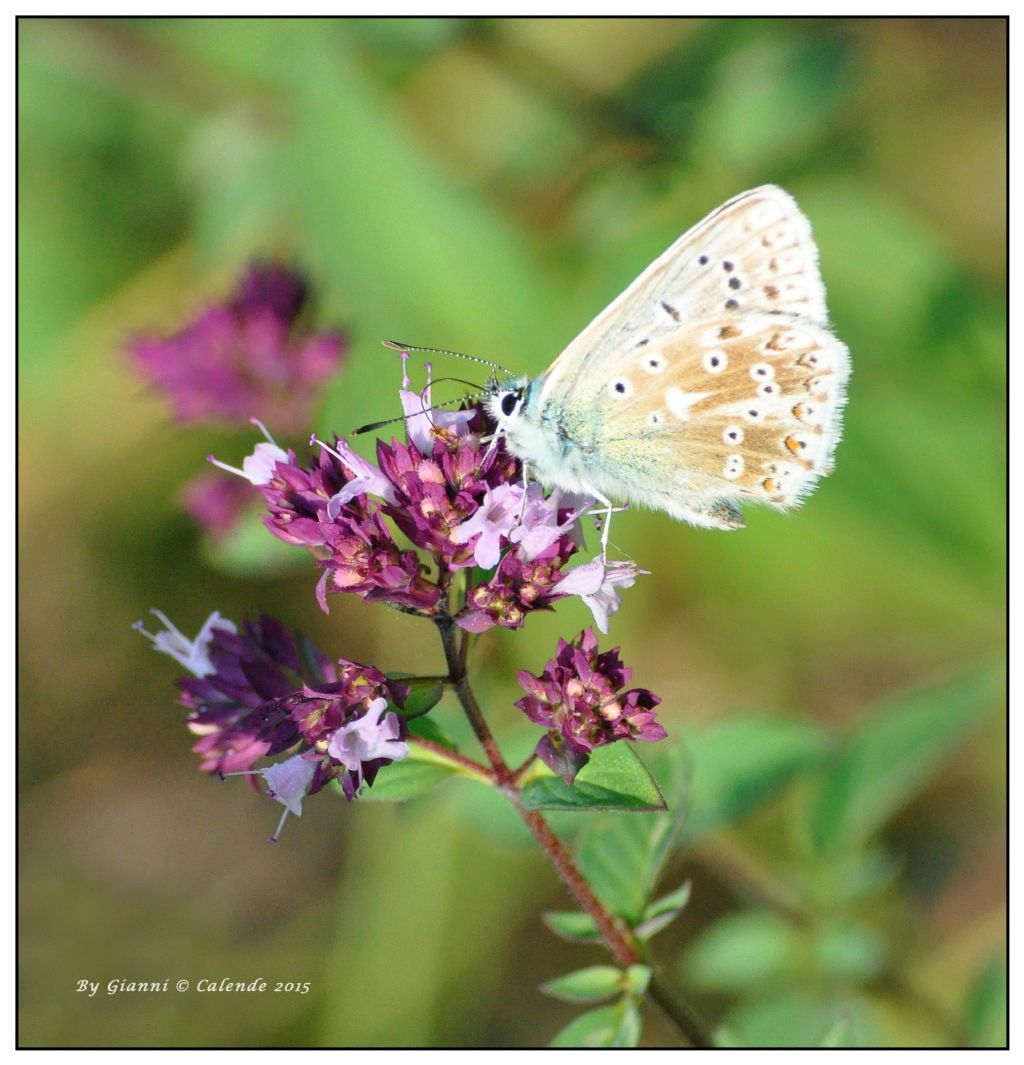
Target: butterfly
713, 381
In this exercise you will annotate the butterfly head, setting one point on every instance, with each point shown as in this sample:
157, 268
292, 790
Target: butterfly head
504, 400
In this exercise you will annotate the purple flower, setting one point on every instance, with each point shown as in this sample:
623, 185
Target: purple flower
239, 705
545, 520
319, 711
245, 357
494, 521
194, 655
288, 783
578, 698
436, 493
519, 585
364, 559
595, 582
424, 423
263, 691
331, 719
372, 738
366, 478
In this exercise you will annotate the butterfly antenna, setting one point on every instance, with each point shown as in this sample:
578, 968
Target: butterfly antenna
397, 345
374, 426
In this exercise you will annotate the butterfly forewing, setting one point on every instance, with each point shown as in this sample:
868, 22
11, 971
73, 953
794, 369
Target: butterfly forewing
754, 254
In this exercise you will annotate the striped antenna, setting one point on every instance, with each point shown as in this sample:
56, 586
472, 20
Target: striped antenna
374, 426
397, 345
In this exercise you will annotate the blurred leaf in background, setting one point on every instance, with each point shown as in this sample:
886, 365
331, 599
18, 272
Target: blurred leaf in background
489, 185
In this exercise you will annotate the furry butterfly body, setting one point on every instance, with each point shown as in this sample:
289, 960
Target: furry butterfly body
712, 381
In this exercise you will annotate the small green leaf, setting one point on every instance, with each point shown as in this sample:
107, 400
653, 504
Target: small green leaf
622, 856
427, 728
610, 1026
405, 780
739, 764
891, 754
637, 977
630, 1026
424, 694
613, 779
572, 925
985, 1012
671, 903
587, 985
662, 912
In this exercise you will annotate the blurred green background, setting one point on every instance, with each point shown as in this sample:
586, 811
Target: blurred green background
489, 185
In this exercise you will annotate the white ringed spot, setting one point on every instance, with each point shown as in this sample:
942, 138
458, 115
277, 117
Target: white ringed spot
620, 388
733, 434
733, 467
715, 361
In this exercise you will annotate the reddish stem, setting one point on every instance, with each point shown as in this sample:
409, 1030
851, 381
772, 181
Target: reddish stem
617, 938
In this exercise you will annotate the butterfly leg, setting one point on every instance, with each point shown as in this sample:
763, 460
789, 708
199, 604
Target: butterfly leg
526, 485
606, 524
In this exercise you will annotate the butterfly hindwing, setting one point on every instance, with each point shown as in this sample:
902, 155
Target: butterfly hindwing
742, 411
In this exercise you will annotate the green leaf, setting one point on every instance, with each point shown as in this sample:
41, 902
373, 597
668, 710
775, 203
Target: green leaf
637, 977
662, 912
621, 856
572, 925
609, 1026
985, 1012
424, 694
406, 780
741, 763
630, 1027
743, 951
587, 985
428, 729
889, 756
613, 779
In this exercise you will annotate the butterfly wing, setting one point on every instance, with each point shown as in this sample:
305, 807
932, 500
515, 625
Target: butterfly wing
724, 414
713, 379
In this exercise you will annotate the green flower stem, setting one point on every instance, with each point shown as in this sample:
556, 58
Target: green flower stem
445, 755
616, 937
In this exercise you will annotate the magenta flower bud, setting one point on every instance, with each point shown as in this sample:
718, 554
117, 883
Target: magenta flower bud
578, 698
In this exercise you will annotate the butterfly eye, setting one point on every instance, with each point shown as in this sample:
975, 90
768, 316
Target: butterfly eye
509, 402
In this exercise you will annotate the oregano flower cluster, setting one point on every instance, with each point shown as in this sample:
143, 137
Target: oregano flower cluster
439, 525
